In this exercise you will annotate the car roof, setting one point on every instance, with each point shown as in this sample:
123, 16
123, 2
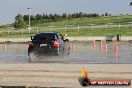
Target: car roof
48, 33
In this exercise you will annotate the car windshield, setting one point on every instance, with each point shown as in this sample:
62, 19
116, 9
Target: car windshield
44, 36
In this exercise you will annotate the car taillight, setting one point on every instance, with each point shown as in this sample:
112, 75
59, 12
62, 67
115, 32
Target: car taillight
31, 45
56, 44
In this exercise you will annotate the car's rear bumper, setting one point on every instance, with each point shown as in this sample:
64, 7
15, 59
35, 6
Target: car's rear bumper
45, 51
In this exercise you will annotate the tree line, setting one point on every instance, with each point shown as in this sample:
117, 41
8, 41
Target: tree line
22, 20
55, 17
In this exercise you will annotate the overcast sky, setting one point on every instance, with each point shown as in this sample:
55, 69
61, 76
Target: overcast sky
10, 8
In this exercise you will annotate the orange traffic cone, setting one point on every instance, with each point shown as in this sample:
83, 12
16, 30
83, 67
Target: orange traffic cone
84, 73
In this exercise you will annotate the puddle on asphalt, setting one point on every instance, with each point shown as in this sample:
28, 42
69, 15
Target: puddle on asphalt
80, 52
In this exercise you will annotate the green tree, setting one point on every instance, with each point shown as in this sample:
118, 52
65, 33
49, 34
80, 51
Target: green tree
19, 22
39, 17
106, 14
81, 14
64, 15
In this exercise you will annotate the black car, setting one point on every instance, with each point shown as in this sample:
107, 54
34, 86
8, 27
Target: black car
48, 43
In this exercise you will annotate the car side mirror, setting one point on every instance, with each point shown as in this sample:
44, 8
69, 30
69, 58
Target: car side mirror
66, 40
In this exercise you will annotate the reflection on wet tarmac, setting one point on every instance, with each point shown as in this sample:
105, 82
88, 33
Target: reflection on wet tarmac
80, 52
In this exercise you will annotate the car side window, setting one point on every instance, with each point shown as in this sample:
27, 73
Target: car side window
56, 37
60, 37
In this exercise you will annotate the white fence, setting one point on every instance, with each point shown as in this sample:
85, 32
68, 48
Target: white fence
65, 28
